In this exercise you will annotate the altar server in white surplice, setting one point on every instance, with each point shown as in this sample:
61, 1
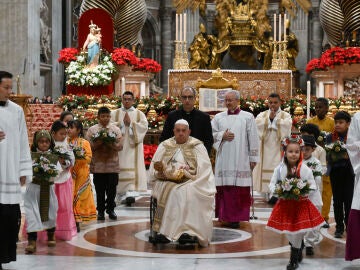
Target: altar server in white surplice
184, 188
15, 166
237, 144
273, 125
133, 125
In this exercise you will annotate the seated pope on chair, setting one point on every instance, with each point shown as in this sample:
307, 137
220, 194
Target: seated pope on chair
184, 187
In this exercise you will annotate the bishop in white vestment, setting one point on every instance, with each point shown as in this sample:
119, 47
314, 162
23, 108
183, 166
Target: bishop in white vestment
237, 145
183, 186
133, 125
272, 125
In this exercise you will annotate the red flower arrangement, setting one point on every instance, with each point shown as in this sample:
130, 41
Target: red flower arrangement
147, 65
122, 56
334, 56
314, 64
149, 151
67, 55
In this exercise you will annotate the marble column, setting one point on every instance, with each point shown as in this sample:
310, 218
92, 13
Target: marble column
56, 45
167, 48
317, 34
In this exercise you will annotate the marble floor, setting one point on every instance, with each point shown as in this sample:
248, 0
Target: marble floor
123, 244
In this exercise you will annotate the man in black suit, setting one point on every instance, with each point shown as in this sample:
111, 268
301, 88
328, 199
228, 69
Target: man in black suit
199, 122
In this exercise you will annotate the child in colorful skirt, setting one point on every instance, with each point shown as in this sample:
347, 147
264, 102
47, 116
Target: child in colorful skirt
83, 197
294, 214
65, 222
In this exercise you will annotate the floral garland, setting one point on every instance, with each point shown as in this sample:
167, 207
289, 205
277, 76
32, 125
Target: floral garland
334, 56
80, 75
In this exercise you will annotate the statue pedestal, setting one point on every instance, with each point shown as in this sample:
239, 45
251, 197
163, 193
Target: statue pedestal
134, 81
330, 83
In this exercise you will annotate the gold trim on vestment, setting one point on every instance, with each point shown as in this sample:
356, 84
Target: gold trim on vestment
161, 203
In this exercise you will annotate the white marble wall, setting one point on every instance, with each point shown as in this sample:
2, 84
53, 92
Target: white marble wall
20, 38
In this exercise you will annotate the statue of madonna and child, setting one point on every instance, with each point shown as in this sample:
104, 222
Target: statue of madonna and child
93, 44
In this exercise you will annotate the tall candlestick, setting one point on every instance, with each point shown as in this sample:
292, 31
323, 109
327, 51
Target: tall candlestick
185, 27
308, 90
280, 27
176, 27
284, 27
180, 26
275, 27
122, 85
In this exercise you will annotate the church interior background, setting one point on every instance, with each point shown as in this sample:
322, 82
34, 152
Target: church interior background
33, 32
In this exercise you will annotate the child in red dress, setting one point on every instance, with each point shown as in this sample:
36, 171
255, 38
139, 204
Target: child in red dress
293, 215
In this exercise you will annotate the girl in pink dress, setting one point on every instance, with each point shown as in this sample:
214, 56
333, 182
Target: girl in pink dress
65, 222
293, 214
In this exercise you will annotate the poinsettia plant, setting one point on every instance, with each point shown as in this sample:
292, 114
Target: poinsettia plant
67, 55
123, 56
147, 65
334, 56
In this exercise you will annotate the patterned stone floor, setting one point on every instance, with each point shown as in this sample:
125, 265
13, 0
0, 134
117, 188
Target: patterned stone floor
123, 244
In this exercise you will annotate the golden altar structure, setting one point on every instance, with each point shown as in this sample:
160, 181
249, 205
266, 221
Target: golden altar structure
258, 83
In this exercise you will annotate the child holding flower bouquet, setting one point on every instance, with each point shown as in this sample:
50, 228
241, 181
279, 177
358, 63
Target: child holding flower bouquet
106, 142
40, 200
294, 214
340, 170
83, 198
65, 222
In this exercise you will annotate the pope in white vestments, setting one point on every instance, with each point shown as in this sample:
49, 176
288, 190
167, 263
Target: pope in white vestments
133, 125
183, 185
273, 125
237, 145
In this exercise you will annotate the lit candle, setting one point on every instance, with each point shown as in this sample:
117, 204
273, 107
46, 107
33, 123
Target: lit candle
280, 27
284, 27
184, 27
180, 26
275, 27
308, 90
123, 85
176, 27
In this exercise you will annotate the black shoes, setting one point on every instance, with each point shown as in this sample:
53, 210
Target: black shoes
234, 225
101, 216
326, 225
129, 201
112, 214
161, 239
187, 239
338, 234
78, 227
309, 251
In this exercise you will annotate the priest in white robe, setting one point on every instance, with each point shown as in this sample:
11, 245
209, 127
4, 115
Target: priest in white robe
133, 125
272, 125
183, 185
237, 145
15, 167
353, 228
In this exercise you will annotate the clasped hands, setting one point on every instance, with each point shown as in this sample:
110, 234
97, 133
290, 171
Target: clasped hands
228, 136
